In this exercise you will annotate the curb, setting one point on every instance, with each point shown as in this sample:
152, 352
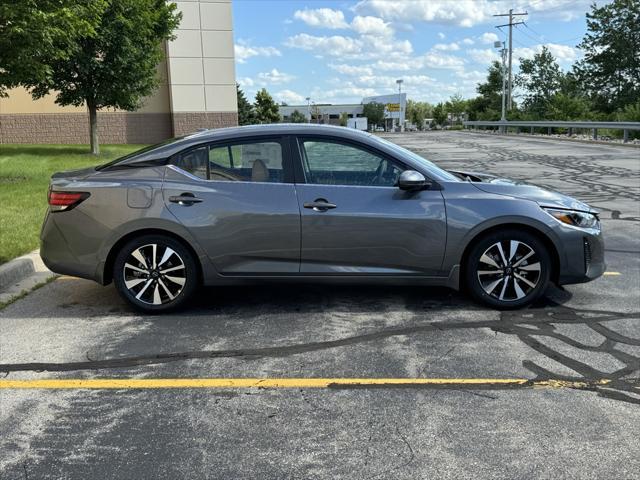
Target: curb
22, 274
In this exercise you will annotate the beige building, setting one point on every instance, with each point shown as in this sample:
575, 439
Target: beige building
198, 91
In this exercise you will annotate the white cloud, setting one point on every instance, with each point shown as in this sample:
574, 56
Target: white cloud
438, 60
464, 13
489, 37
346, 94
564, 54
322, 17
483, 55
468, 41
467, 13
289, 96
402, 66
274, 77
446, 47
351, 69
441, 35
336, 45
243, 52
371, 26
389, 82
361, 48
246, 82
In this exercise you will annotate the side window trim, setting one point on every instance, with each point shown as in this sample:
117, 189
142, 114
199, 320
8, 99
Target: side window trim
300, 139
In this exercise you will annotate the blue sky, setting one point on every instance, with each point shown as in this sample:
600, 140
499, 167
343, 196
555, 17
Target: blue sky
339, 51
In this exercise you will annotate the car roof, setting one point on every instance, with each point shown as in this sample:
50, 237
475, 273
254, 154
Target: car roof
161, 152
171, 147
277, 129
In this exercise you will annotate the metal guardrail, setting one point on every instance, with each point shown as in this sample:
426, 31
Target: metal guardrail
549, 124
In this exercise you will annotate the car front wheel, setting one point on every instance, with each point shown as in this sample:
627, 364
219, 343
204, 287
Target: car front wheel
508, 269
155, 273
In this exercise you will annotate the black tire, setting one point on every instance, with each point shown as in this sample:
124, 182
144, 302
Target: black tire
170, 279
507, 286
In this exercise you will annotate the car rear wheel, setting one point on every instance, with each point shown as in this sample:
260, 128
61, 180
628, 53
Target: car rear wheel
508, 269
155, 273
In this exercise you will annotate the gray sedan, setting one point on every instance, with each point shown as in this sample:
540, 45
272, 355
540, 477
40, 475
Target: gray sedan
310, 203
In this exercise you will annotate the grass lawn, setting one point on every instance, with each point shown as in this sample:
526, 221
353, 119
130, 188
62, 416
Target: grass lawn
24, 179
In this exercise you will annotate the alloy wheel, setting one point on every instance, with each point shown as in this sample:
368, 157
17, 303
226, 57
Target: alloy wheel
509, 270
154, 274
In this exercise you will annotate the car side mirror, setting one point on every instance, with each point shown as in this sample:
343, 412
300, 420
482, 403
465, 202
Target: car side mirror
411, 180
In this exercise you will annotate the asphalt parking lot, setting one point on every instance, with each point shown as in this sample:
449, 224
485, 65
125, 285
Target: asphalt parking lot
584, 423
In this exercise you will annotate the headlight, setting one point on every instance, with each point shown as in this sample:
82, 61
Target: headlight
574, 218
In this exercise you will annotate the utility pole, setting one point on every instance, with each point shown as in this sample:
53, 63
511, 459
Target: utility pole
503, 55
511, 23
399, 82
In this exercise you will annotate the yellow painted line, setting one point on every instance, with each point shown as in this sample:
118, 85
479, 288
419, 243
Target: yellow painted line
167, 383
612, 273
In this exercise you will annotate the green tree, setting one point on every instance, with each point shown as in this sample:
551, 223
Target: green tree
33, 34
568, 107
246, 115
117, 66
297, 117
315, 113
374, 112
417, 112
344, 119
610, 68
439, 114
540, 78
456, 106
631, 113
488, 105
266, 108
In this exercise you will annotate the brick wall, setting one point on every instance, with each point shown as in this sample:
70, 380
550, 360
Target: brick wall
113, 127
189, 122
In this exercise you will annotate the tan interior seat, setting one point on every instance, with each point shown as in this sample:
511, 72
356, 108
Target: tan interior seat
259, 171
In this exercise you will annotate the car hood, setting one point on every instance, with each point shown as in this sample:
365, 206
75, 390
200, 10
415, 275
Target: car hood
513, 188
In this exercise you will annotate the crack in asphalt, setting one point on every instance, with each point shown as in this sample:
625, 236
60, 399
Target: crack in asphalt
525, 324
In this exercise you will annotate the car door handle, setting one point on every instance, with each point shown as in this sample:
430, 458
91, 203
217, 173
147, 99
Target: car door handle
320, 205
185, 199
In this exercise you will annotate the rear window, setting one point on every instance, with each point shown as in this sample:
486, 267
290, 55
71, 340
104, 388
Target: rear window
138, 152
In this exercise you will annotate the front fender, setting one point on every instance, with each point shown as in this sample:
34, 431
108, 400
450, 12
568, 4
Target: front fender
470, 215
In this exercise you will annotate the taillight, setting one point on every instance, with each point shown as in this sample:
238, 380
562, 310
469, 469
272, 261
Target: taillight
59, 201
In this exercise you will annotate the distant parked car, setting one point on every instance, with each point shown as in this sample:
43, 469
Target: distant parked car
310, 203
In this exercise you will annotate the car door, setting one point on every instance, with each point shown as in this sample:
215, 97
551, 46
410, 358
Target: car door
238, 200
356, 221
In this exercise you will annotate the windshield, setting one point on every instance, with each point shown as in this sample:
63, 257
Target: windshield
138, 152
443, 174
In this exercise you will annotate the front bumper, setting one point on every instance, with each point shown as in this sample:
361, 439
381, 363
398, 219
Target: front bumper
584, 256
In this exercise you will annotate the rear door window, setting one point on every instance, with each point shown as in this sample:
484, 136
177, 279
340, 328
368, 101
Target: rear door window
242, 161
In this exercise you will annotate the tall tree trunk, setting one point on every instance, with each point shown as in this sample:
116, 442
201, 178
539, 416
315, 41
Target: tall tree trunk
93, 128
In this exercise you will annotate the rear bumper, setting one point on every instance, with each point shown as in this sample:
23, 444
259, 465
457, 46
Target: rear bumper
57, 255
584, 252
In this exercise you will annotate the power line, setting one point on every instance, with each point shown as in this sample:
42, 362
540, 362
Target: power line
535, 31
538, 40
